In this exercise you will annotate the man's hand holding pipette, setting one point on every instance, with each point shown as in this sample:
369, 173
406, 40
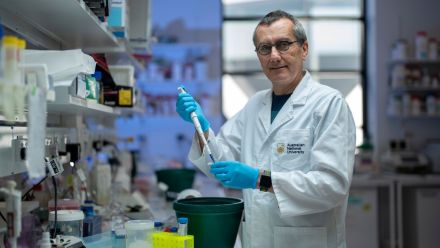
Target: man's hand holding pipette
185, 105
191, 111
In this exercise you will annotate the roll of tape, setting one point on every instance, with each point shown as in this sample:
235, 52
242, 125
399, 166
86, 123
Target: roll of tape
188, 193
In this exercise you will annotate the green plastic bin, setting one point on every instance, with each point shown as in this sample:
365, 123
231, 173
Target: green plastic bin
214, 221
176, 179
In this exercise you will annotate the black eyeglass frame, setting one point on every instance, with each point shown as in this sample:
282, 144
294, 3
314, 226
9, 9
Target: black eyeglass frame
290, 43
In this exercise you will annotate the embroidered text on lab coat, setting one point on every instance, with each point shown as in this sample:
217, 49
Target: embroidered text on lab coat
296, 148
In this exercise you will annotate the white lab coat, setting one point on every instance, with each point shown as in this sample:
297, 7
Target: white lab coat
309, 148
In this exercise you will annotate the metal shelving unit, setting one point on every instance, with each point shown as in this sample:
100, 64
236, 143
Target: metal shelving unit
398, 88
66, 104
414, 61
67, 24
61, 24
416, 89
415, 117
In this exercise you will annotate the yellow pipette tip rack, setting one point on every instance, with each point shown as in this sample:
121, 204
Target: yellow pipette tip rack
172, 240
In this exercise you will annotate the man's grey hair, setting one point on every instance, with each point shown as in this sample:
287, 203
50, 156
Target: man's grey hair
276, 15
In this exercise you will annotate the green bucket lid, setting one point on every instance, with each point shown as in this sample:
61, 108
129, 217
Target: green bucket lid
208, 205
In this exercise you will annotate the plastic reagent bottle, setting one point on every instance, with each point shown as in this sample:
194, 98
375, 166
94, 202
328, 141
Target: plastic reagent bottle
19, 87
182, 226
10, 72
103, 180
1, 52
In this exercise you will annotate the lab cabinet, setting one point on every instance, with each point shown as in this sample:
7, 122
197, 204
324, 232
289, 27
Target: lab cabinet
370, 213
418, 199
362, 219
421, 208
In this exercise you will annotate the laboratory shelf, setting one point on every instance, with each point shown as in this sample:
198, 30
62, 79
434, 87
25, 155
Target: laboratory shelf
415, 61
122, 54
65, 24
170, 86
418, 180
61, 24
416, 117
66, 104
125, 55
181, 46
180, 51
130, 111
371, 181
415, 89
74, 105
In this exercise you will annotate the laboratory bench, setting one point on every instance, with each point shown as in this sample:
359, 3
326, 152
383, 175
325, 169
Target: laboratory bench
386, 210
393, 210
160, 209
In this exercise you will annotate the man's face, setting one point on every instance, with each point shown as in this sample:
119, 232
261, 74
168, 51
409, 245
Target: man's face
284, 69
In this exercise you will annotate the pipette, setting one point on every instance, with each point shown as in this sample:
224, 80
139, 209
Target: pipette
198, 127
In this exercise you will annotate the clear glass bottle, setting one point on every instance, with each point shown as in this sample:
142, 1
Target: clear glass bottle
115, 208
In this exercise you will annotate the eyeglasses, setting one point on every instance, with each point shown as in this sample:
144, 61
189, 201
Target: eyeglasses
282, 47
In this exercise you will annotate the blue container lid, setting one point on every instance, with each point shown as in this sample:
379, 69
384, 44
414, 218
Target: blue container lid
88, 210
182, 220
97, 75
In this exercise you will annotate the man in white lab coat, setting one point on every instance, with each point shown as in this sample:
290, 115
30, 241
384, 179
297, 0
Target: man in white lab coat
290, 149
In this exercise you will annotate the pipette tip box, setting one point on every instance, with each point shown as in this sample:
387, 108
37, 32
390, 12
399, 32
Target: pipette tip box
172, 240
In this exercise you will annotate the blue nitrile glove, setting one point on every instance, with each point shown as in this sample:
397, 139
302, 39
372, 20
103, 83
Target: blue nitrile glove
186, 104
236, 175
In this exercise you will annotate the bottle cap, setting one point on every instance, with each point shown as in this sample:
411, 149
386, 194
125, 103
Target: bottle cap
9, 40
97, 75
182, 220
21, 43
88, 210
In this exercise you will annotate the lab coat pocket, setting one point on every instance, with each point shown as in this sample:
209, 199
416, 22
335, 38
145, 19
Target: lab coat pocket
291, 149
302, 237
